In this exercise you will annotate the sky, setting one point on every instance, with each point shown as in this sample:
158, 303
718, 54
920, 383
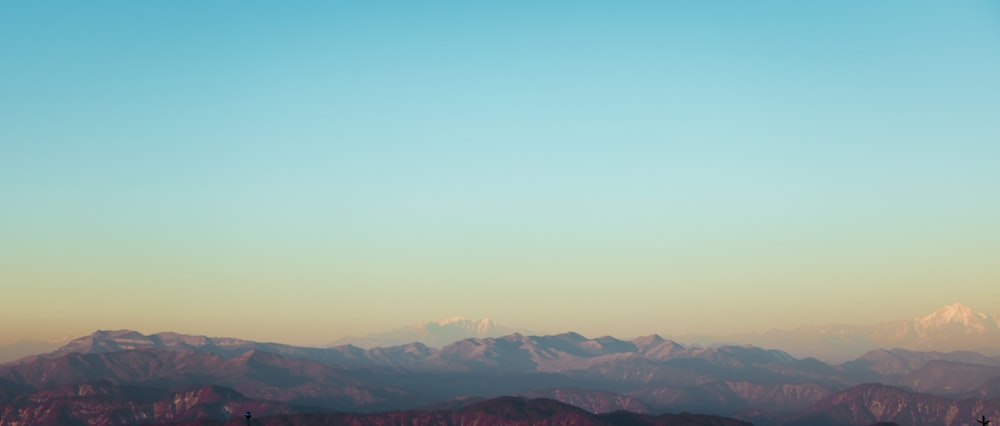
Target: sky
303, 171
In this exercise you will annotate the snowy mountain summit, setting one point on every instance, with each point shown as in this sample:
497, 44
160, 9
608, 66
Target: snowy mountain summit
952, 327
956, 317
481, 328
434, 333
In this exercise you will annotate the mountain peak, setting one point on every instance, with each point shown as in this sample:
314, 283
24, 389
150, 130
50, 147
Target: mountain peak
107, 339
649, 340
953, 309
433, 333
481, 327
114, 334
452, 320
953, 314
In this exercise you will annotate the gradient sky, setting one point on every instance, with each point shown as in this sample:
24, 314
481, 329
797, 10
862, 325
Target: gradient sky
302, 171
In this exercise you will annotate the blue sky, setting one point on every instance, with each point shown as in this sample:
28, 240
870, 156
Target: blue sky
303, 171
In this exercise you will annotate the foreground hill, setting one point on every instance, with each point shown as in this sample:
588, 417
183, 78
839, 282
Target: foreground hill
103, 403
506, 411
871, 403
259, 375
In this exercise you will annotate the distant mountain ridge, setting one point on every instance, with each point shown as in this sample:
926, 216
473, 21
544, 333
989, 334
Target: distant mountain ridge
515, 352
102, 341
602, 375
23, 348
949, 328
433, 333
953, 327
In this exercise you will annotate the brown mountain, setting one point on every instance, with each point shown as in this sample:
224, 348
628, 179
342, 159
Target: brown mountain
990, 390
946, 378
104, 403
259, 375
871, 403
594, 401
732, 398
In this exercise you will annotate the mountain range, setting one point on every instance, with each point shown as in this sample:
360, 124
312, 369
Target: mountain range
126, 377
169, 377
949, 328
434, 334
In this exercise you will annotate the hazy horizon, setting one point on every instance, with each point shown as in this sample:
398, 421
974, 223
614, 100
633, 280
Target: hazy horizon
682, 337
302, 172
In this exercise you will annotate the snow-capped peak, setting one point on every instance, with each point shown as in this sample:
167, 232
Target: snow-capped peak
955, 314
434, 333
452, 320
485, 325
481, 327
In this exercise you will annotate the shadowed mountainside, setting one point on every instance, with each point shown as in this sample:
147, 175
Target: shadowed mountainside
872, 403
257, 374
505, 411
104, 403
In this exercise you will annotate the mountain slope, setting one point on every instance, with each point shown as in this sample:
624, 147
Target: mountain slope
104, 403
259, 375
871, 403
507, 411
